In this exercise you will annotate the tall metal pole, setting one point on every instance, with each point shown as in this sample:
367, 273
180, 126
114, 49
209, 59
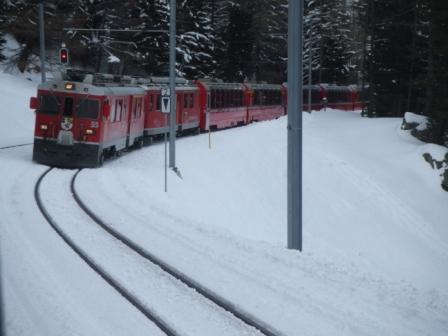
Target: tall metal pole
173, 125
310, 72
295, 104
165, 149
2, 307
42, 40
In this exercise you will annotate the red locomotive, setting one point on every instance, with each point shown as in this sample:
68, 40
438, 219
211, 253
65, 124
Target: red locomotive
86, 117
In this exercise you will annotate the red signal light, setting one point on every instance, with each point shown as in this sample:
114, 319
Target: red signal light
63, 55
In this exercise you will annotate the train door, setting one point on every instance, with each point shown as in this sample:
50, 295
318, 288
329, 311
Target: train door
130, 121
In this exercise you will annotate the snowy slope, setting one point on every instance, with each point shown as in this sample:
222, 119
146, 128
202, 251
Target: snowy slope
375, 258
17, 119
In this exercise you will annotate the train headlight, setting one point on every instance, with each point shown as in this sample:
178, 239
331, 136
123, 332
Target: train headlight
43, 127
89, 131
69, 86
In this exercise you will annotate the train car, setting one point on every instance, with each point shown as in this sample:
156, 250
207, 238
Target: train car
79, 122
221, 105
264, 102
85, 117
356, 97
318, 97
187, 108
339, 97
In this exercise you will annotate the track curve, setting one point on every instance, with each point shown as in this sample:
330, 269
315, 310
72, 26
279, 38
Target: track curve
159, 322
218, 300
14, 146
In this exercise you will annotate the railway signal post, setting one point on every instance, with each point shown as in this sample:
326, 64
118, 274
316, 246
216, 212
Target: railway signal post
166, 108
42, 41
295, 104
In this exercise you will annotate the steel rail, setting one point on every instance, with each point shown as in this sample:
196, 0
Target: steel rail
14, 146
150, 314
217, 299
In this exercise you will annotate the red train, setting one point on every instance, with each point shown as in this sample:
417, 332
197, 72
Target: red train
85, 117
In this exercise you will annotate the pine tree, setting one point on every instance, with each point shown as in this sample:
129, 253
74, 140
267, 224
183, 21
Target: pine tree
437, 74
390, 55
153, 47
238, 39
312, 40
333, 27
196, 40
252, 40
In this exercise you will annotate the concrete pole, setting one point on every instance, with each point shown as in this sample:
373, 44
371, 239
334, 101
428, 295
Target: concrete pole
295, 104
173, 126
42, 41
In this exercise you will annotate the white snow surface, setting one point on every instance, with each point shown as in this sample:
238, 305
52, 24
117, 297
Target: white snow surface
375, 259
420, 120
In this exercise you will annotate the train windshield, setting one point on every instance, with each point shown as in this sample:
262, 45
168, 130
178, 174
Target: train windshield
49, 104
88, 108
68, 107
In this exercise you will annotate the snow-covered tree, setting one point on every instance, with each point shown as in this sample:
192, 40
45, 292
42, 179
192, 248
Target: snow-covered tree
196, 38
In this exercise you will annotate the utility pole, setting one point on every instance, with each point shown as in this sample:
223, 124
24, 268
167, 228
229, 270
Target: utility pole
2, 307
295, 104
42, 41
173, 125
310, 71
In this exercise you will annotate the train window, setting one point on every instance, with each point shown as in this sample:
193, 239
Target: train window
219, 99
227, 98
139, 108
118, 110
49, 105
68, 107
212, 99
151, 102
88, 108
136, 108
192, 100
235, 98
124, 110
159, 102
216, 105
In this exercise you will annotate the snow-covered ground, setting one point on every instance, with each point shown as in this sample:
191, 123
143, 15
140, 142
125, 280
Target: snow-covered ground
375, 258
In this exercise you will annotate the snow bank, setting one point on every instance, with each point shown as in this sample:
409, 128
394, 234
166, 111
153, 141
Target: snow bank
373, 220
375, 258
17, 124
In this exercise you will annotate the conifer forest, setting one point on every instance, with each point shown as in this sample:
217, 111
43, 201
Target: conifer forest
395, 49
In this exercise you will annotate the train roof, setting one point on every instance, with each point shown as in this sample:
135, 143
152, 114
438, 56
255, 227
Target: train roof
314, 86
217, 84
263, 86
87, 88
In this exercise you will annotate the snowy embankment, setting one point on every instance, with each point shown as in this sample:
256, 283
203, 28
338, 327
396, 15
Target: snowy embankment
17, 124
375, 258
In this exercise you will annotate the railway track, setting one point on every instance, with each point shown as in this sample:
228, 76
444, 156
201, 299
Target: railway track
14, 146
259, 327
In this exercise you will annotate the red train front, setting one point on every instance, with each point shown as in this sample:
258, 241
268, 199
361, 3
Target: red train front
79, 123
